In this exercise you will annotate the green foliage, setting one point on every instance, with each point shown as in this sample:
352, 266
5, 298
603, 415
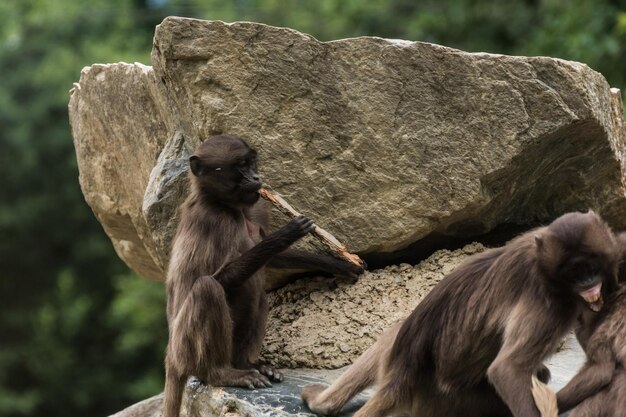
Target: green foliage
140, 307
80, 334
57, 264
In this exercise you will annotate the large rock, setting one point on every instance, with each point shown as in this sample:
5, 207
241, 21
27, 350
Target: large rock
383, 142
120, 126
198, 401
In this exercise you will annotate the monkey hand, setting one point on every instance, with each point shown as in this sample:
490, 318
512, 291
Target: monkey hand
295, 229
349, 270
300, 226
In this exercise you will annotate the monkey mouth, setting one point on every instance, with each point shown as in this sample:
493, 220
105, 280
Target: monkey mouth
251, 188
251, 197
593, 297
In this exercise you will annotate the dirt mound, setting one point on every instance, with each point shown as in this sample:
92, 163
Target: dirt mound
320, 323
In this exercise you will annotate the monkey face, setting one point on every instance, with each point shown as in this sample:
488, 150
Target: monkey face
578, 253
225, 169
587, 273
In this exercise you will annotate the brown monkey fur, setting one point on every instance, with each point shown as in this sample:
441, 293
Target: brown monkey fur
216, 306
471, 346
599, 388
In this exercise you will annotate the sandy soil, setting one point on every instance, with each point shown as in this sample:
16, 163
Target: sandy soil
323, 323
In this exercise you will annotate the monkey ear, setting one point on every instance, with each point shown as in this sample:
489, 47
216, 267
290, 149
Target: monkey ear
548, 244
593, 214
195, 165
539, 241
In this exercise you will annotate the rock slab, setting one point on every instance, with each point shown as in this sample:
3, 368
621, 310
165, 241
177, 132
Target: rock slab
283, 399
383, 142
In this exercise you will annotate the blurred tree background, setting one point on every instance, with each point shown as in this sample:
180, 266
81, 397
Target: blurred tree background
80, 334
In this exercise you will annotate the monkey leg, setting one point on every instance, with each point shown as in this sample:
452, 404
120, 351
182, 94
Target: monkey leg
258, 336
610, 402
201, 340
597, 406
383, 403
324, 400
251, 341
250, 310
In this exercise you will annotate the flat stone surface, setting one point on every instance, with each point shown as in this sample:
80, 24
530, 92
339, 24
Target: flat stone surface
566, 363
283, 399
285, 396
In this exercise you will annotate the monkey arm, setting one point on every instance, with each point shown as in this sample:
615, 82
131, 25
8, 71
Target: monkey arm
236, 272
588, 381
294, 258
528, 338
513, 383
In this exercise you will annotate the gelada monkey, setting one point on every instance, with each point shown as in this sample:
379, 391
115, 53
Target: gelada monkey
599, 388
471, 347
216, 306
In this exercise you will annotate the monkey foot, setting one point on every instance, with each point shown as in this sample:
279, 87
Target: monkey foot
269, 371
250, 379
309, 395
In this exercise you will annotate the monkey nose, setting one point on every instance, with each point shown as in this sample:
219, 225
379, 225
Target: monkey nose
255, 184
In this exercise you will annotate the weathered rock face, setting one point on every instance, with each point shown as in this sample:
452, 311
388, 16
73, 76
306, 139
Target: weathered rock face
120, 127
382, 142
198, 400
281, 400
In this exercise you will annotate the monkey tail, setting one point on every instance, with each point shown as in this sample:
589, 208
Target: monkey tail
545, 399
173, 393
360, 375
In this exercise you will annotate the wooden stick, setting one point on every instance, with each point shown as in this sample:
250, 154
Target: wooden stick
330, 240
